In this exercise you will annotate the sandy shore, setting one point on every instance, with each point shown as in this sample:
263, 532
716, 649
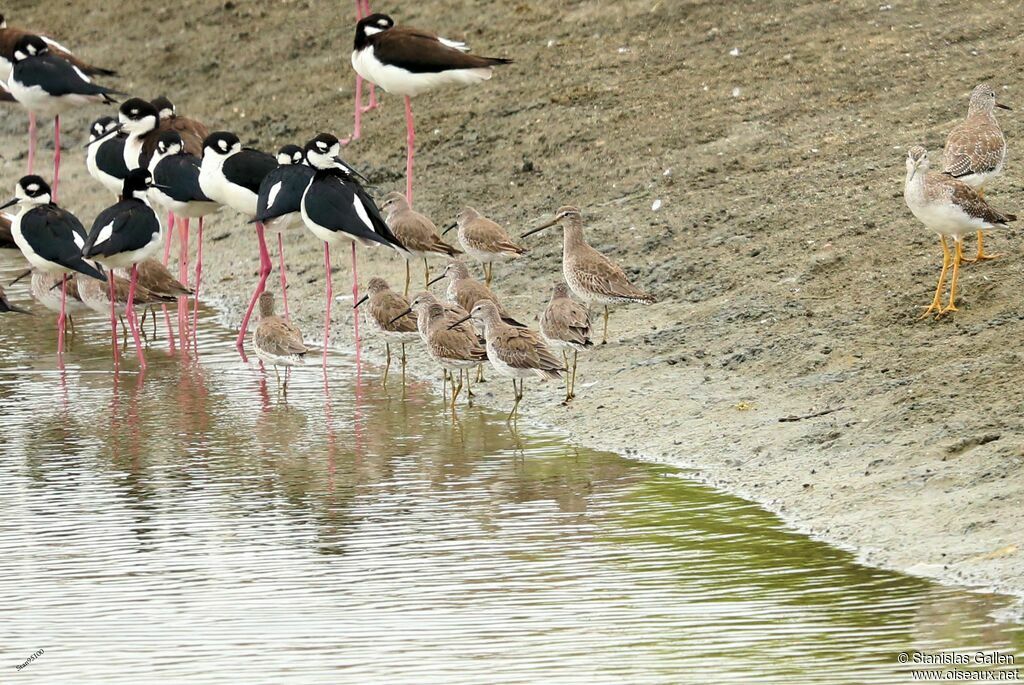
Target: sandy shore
788, 270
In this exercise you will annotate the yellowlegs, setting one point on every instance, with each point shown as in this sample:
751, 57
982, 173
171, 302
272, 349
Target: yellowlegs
485, 241
590, 275
976, 148
277, 342
565, 324
390, 313
416, 232
951, 208
514, 352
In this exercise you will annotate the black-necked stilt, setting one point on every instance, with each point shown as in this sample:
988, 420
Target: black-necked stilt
362, 10
123, 235
104, 157
6, 306
9, 37
176, 188
231, 175
407, 62
336, 208
47, 85
51, 238
277, 341
139, 119
279, 203
416, 232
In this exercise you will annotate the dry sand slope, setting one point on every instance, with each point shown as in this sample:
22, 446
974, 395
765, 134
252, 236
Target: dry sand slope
788, 269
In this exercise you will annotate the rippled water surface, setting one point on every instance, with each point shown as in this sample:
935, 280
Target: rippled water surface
193, 526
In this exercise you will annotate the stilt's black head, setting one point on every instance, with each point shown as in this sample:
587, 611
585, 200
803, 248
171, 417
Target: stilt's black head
138, 116
136, 183
164, 106
169, 143
101, 127
290, 154
370, 26
221, 143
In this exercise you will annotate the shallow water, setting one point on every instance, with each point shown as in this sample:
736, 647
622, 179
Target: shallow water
194, 526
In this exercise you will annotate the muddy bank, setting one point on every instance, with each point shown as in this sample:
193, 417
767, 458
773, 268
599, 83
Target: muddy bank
789, 272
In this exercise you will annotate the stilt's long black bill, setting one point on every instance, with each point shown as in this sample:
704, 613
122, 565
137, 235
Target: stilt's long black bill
10, 203
407, 311
362, 299
460, 321
109, 134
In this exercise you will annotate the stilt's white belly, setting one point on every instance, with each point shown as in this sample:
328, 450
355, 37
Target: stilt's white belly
402, 82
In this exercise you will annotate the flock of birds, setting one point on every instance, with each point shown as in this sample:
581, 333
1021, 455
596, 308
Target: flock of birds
952, 202
152, 156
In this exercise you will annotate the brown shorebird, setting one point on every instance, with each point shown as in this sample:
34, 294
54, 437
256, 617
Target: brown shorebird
277, 342
515, 352
455, 346
6, 236
6, 306
484, 240
951, 208
976, 148
392, 316
590, 275
96, 296
566, 325
416, 232
46, 290
159, 282
466, 291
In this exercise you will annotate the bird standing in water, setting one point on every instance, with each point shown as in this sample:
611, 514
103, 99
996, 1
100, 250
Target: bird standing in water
277, 342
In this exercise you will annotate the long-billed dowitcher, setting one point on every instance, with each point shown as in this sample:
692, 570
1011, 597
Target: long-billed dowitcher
591, 275
514, 352
466, 291
407, 62
951, 208
277, 342
975, 150
454, 345
416, 232
391, 314
565, 324
485, 241
50, 238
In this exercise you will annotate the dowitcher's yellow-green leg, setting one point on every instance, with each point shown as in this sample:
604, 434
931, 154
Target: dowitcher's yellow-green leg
426, 274
604, 338
387, 364
517, 391
408, 276
936, 305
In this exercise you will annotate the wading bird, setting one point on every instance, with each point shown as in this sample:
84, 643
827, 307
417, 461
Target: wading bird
485, 241
565, 324
416, 232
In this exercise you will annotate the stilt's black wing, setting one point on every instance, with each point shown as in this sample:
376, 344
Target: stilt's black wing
110, 157
248, 168
126, 226
281, 191
56, 77
344, 207
58, 236
178, 176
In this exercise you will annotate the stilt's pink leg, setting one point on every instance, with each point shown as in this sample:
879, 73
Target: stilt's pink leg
31, 142
284, 278
56, 156
183, 277
62, 319
113, 319
355, 298
357, 124
373, 89
330, 298
265, 268
199, 276
132, 323
410, 141
170, 236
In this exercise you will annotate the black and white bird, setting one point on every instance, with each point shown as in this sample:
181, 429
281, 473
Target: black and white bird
50, 237
192, 131
231, 175
139, 120
124, 234
9, 37
407, 61
47, 85
336, 208
104, 156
